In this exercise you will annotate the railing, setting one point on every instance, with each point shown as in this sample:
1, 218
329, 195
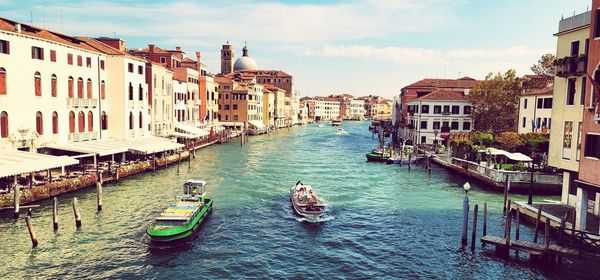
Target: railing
131, 133
446, 113
141, 104
515, 176
85, 102
74, 102
75, 137
85, 136
94, 103
94, 135
571, 66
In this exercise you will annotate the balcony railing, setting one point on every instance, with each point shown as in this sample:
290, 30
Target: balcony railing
94, 135
81, 102
131, 133
446, 113
571, 66
85, 136
141, 104
131, 103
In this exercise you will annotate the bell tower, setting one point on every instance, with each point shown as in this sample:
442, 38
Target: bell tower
227, 55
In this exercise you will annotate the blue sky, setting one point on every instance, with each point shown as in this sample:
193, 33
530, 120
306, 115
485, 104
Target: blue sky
357, 47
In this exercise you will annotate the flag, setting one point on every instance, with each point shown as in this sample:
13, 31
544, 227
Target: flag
532, 125
596, 87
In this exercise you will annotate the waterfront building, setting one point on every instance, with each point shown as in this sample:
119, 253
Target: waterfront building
279, 105
382, 109
357, 109
126, 89
567, 103
240, 101
268, 102
535, 104
588, 182
52, 88
160, 98
303, 114
324, 108
433, 116
181, 114
344, 100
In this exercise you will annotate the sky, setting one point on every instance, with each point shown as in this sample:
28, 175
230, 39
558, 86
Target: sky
330, 47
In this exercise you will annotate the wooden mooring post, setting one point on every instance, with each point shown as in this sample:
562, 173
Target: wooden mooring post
76, 212
537, 225
153, 161
409, 159
55, 213
178, 160
465, 220
485, 213
547, 235
428, 163
17, 198
474, 228
190, 159
99, 195
506, 190
31, 230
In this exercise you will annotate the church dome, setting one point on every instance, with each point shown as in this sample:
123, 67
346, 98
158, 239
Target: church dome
245, 62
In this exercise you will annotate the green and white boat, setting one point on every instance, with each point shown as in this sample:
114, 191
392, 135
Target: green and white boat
183, 218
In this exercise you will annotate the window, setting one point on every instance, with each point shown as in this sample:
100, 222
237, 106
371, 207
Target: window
71, 122
445, 124
70, 58
455, 110
579, 132
575, 48
571, 92
2, 81
163, 60
4, 47
140, 92
54, 123
102, 90
79, 60
39, 123
3, 124
524, 103
592, 146
53, 88
130, 67
81, 119
80, 88
423, 124
104, 121
102, 64
89, 89
454, 125
235, 106
130, 120
90, 121
130, 91
540, 103
446, 109
37, 53
88, 62
567, 137
425, 109
70, 87
548, 103
437, 109
466, 126
226, 107
524, 124
37, 83
53, 55
140, 70
582, 94
436, 125
467, 110
141, 120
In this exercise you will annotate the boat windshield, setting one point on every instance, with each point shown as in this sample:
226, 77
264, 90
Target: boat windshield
170, 222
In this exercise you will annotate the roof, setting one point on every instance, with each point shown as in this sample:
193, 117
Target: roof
444, 94
106, 147
104, 48
464, 82
19, 162
540, 91
30, 30
272, 87
276, 73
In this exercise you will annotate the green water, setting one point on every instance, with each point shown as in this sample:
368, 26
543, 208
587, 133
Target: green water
383, 221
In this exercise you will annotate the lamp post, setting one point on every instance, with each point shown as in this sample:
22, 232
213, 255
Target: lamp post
466, 187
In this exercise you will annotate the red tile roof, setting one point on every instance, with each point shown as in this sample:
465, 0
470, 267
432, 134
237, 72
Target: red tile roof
540, 91
444, 94
273, 88
464, 82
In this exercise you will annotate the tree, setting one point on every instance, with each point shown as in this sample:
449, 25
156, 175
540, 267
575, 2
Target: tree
483, 139
509, 140
496, 102
545, 65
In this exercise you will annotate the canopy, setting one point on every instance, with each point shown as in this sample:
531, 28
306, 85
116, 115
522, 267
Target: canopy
494, 151
184, 135
518, 157
19, 162
512, 156
152, 144
191, 129
435, 138
257, 124
106, 147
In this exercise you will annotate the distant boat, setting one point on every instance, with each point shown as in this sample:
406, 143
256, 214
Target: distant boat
378, 156
404, 159
320, 125
306, 203
337, 122
340, 131
184, 217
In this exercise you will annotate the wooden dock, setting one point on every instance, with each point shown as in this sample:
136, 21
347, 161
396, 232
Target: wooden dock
536, 249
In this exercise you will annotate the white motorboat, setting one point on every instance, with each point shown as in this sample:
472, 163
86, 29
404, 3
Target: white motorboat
340, 131
306, 203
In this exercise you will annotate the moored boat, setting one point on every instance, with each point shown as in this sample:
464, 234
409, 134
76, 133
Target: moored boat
306, 203
336, 122
404, 159
184, 217
378, 156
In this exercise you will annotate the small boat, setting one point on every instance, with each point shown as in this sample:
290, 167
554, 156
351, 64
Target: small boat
336, 122
320, 125
306, 203
378, 155
184, 217
340, 131
404, 159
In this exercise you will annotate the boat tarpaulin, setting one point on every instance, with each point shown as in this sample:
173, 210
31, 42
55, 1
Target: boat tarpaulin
19, 162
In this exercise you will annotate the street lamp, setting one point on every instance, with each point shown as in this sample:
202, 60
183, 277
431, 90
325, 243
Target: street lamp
466, 187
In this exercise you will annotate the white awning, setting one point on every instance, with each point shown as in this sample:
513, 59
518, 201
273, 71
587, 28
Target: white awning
184, 135
113, 146
19, 162
512, 156
257, 124
191, 130
232, 124
152, 144
494, 152
518, 157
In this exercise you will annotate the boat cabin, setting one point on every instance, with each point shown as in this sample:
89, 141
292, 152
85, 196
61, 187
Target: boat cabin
194, 188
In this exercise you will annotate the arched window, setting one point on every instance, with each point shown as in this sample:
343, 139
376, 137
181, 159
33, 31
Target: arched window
130, 91
102, 90
71, 89
53, 88
90, 121
39, 123
130, 120
71, 122
80, 88
89, 89
3, 124
54, 123
2, 81
81, 119
141, 120
141, 92
37, 83
104, 121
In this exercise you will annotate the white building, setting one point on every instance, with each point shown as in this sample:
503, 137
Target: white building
435, 115
357, 109
180, 109
295, 105
326, 108
535, 111
51, 86
160, 92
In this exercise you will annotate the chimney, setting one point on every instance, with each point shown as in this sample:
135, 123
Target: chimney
151, 48
178, 49
198, 64
466, 91
18, 27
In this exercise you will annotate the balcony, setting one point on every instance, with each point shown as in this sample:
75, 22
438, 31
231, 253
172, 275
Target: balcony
85, 136
571, 66
131, 133
74, 102
141, 104
85, 103
131, 103
93, 103
75, 137
446, 113
94, 135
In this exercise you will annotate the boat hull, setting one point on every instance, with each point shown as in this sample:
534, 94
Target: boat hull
375, 157
310, 216
180, 233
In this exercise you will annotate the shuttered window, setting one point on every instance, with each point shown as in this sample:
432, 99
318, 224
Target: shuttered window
89, 89
90, 121
54, 123
2, 81
53, 89
80, 88
39, 123
37, 83
71, 89
3, 125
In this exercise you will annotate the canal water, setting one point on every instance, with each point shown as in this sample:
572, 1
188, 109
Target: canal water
383, 220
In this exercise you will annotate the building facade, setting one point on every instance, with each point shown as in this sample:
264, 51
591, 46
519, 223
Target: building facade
160, 98
535, 104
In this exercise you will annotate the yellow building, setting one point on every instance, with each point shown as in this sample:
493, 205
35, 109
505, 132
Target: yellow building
567, 105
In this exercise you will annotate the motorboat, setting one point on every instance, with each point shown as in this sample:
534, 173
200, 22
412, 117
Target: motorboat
306, 203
